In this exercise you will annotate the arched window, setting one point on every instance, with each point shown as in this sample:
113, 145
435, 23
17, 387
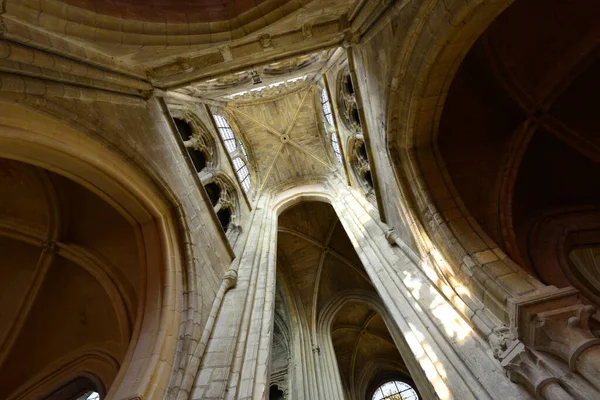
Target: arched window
214, 192
236, 150
395, 390
199, 147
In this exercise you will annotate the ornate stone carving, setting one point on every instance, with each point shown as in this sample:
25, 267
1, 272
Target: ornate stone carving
554, 322
564, 332
500, 339
307, 32
265, 41
525, 367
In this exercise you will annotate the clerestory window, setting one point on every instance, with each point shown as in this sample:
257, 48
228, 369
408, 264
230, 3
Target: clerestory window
226, 133
241, 170
235, 147
326, 107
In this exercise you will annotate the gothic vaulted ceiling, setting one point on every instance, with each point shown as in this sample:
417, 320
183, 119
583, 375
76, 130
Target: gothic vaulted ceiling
285, 140
56, 246
519, 131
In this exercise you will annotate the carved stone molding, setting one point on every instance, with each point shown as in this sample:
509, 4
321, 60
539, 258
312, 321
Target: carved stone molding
549, 325
525, 367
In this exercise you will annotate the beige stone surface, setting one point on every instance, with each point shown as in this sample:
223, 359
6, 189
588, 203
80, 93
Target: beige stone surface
448, 241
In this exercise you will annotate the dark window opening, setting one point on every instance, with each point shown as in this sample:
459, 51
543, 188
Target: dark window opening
224, 216
349, 86
198, 159
81, 388
354, 114
184, 128
362, 151
275, 393
369, 179
214, 193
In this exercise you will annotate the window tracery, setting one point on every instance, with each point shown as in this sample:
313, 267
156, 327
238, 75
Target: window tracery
347, 106
197, 140
219, 189
395, 390
361, 167
326, 105
226, 133
225, 205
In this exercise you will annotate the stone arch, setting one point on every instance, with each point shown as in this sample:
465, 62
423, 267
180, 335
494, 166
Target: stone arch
421, 82
319, 192
55, 147
324, 325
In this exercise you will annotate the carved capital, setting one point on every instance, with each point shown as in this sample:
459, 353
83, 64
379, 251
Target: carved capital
525, 367
230, 278
564, 332
390, 236
554, 321
501, 340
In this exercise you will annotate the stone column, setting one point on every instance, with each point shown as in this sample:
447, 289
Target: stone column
235, 362
206, 176
527, 368
445, 356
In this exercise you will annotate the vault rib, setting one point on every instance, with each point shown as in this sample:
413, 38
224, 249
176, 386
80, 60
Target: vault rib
365, 324
266, 179
330, 250
320, 270
299, 147
293, 122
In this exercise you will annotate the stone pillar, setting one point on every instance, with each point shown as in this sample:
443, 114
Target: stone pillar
235, 363
527, 368
445, 356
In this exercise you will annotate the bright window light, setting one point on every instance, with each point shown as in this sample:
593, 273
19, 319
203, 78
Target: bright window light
395, 390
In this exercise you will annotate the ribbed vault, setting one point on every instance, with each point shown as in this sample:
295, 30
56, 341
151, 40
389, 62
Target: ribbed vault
70, 279
519, 135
